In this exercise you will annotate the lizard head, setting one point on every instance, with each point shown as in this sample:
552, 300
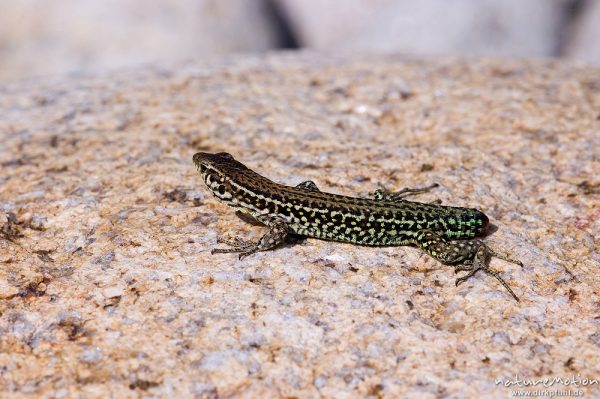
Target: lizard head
217, 171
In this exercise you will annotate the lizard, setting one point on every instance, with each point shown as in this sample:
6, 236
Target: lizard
446, 233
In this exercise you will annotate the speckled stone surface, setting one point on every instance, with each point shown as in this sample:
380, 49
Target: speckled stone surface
107, 285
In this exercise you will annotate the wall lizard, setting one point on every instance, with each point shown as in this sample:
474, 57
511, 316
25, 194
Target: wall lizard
444, 232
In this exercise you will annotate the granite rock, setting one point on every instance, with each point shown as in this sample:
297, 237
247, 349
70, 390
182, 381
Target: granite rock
583, 43
108, 288
490, 27
88, 36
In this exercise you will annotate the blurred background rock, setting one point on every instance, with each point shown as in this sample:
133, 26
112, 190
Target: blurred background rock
41, 37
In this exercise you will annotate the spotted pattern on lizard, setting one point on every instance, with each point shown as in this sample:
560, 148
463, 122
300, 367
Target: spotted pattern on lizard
446, 233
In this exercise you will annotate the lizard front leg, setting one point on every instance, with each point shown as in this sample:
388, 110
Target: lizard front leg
308, 185
278, 231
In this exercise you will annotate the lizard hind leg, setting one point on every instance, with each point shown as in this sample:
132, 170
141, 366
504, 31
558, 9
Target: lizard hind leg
382, 194
480, 262
504, 257
468, 256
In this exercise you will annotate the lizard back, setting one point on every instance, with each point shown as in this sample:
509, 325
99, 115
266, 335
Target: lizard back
331, 216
